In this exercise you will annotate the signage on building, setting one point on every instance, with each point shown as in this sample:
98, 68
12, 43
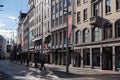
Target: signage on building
69, 26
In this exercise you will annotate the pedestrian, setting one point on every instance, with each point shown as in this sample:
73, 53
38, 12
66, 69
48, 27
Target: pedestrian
42, 63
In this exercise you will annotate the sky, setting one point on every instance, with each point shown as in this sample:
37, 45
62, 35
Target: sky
9, 16
10, 13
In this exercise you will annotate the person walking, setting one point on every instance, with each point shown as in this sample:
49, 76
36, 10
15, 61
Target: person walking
42, 63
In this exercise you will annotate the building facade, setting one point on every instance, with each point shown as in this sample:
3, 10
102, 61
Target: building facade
22, 37
3, 50
95, 42
97, 33
41, 26
31, 28
58, 30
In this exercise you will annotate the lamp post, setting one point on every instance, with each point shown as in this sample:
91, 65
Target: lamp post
67, 64
42, 30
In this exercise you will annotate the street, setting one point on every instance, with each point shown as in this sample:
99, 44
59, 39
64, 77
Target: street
13, 71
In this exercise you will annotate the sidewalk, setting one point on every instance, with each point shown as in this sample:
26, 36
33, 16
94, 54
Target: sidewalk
58, 72
78, 70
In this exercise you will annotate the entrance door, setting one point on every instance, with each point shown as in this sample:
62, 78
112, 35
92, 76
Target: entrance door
107, 59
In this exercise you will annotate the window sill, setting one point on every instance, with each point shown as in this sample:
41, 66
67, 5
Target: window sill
118, 10
85, 1
108, 13
78, 4
85, 20
78, 22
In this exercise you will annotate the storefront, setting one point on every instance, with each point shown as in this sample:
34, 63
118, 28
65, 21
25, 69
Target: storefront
107, 61
118, 57
86, 57
96, 57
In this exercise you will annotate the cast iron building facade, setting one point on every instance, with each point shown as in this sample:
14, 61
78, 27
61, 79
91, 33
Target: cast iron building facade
95, 37
96, 33
58, 30
41, 26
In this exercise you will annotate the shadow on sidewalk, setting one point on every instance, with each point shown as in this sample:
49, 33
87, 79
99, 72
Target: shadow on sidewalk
62, 74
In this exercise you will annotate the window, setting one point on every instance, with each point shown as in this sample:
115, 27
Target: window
45, 14
48, 26
108, 6
64, 18
95, 9
53, 39
56, 21
95, 34
117, 28
60, 5
78, 37
64, 37
39, 18
108, 31
53, 23
56, 38
57, 7
78, 2
117, 4
86, 35
60, 20
60, 38
85, 14
69, 3
78, 17
53, 9
64, 3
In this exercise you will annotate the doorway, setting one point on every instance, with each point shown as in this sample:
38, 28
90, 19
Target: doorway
107, 58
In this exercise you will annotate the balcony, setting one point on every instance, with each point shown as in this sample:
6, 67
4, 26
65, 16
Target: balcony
95, 20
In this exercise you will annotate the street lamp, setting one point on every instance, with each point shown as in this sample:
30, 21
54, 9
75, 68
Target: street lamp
67, 64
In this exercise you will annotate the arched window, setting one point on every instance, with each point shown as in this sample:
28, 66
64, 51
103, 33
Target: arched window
78, 37
86, 35
117, 29
95, 34
108, 31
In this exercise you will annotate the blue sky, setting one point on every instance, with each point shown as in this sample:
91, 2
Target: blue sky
10, 13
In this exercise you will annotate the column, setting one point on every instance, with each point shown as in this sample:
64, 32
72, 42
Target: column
82, 65
113, 29
72, 58
101, 51
62, 37
90, 35
58, 61
62, 58
91, 61
51, 58
114, 58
